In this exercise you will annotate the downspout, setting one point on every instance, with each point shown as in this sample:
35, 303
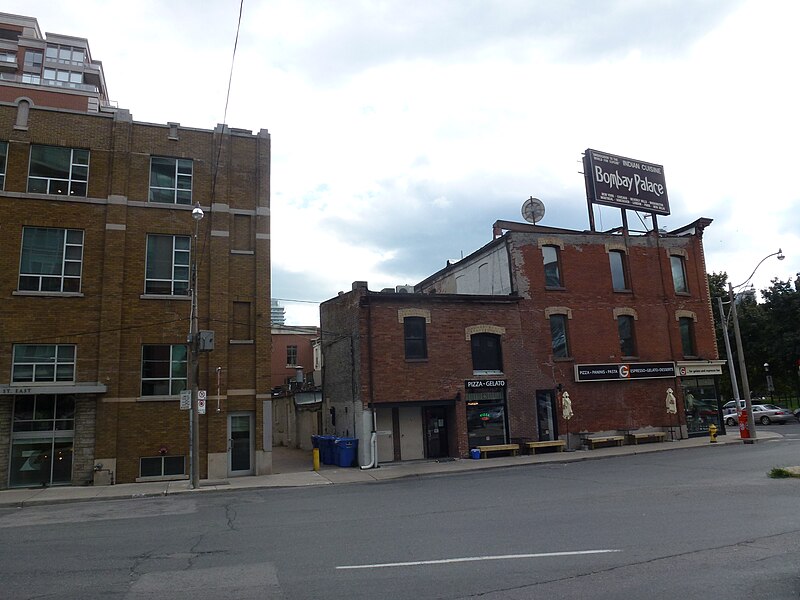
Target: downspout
373, 438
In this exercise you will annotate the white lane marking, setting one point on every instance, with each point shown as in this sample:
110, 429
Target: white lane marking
443, 561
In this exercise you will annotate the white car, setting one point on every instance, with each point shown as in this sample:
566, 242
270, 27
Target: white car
762, 413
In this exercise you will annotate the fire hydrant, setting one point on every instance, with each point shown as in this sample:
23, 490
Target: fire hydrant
712, 431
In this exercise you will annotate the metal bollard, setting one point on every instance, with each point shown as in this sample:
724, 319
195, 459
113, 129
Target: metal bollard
315, 454
712, 431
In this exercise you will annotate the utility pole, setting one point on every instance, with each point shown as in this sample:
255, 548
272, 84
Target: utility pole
748, 405
194, 363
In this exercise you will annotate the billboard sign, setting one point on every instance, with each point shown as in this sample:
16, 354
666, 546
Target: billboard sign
625, 182
624, 371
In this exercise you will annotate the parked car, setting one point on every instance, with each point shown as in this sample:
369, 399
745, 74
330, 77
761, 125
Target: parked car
762, 413
797, 413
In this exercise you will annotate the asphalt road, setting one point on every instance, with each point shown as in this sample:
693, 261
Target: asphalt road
687, 523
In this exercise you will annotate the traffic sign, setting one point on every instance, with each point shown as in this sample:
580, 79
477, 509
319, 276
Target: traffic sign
186, 399
201, 402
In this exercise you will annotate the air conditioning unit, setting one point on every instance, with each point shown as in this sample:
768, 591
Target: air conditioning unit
404, 289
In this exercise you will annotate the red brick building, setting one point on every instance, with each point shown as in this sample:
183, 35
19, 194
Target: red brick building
481, 352
97, 254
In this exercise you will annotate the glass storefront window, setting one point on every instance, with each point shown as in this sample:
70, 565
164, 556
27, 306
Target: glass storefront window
486, 418
700, 403
41, 444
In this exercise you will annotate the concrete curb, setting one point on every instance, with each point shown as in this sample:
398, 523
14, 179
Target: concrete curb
24, 498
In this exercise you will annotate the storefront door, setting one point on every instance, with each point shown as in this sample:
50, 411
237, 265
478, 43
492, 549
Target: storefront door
42, 440
240, 443
436, 443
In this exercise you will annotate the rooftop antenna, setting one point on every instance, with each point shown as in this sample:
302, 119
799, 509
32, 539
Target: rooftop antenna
533, 210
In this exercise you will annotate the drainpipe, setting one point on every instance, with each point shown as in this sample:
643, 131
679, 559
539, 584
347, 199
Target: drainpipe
373, 438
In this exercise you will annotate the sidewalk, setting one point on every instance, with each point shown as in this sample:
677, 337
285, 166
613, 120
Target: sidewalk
336, 475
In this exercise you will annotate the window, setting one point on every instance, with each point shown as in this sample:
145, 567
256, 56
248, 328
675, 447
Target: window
679, 274
170, 180
3, 159
416, 344
65, 54
558, 335
686, 325
552, 271
161, 466
618, 280
163, 370
167, 270
51, 260
43, 363
31, 78
56, 170
291, 355
33, 58
487, 354
8, 56
44, 412
627, 342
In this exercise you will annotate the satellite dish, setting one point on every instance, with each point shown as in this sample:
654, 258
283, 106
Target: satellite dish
533, 210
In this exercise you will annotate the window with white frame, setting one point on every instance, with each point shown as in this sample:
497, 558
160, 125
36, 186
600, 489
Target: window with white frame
167, 268
31, 78
8, 56
3, 160
170, 180
291, 356
58, 170
163, 369
51, 260
43, 363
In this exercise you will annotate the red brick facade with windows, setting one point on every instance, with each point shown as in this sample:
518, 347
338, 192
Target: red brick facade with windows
112, 318
503, 285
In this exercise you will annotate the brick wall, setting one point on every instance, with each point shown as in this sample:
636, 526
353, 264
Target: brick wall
111, 320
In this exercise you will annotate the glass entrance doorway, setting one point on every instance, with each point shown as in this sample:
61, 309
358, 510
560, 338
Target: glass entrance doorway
41, 440
546, 415
240, 443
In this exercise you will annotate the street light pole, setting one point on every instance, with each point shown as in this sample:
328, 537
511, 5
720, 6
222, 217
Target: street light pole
748, 406
194, 364
751, 423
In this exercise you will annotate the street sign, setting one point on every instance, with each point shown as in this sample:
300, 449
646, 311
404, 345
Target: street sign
201, 402
186, 399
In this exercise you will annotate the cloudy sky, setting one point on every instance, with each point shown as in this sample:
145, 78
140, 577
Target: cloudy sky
402, 129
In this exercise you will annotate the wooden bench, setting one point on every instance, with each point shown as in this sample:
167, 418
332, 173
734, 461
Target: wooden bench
484, 450
616, 440
646, 436
532, 446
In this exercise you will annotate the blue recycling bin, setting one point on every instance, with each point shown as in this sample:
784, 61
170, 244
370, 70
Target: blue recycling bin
475, 454
326, 449
346, 449
315, 441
